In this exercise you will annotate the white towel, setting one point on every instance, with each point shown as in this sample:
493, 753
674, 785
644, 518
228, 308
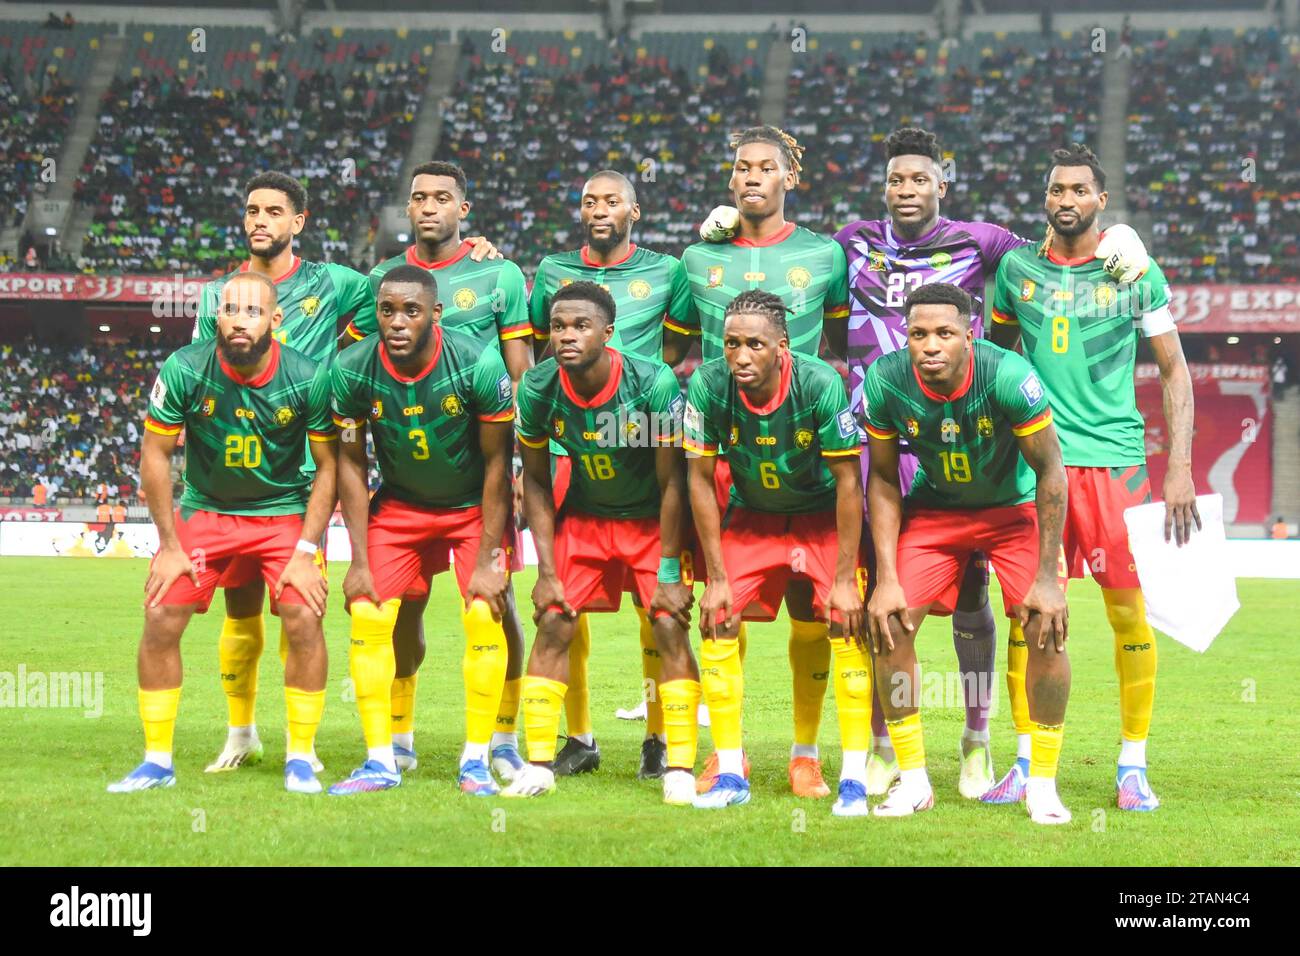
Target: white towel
1190, 592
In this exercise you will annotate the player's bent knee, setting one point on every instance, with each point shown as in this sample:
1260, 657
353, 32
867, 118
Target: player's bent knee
165, 623
1123, 609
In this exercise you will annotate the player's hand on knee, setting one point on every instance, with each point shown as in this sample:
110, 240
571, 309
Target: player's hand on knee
887, 601
483, 249
302, 574
845, 602
716, 602
674, 599
169, 564
1046, 600
358, 583
488, 583
548, 592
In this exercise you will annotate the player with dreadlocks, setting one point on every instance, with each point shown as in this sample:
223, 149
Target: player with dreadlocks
806, 272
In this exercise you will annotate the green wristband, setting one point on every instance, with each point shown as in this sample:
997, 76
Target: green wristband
670, 570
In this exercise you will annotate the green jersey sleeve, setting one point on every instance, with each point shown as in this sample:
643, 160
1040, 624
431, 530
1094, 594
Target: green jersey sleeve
701, 434
355, 295
510, 303
836, 305
836, 426
878, 421
492, 389
1004, 298
320, 421
348, 406
205, 324
1021, 395
169, 398
537, 304
532, 426
681, 316
667, 404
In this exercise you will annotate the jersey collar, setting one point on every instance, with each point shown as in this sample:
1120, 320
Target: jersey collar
246, 265
771, 240
1064, 261
782, 390
587, 260
413, 258
894, 241
606, 393
961, 390
407, 380
258, 380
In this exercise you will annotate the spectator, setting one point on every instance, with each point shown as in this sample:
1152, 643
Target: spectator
1279, 531
1280, 374
119, 512
40, 493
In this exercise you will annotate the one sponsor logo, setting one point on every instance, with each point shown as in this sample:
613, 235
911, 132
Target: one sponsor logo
590, 436
410, 410
949, 429
1032, 389
940, 260
558, 426
452, 407
803, 438
208, 407
755, 276
1137, 647
913, 427
1104, 296
639, 289
485, 647
765, 440
245, 413
876, 261
465, 299
74, 908
848, 427
1063, 295
715, 276
1027, 290
799, 278
377, 409
284, 415
310, 305
984, 426
158, 393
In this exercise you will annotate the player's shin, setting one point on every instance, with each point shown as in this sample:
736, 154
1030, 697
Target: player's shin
681, 699
1135, 663
304, 709
1017, 663
484, 670
373, 667
852, 668
542, 701
158, 715
577, 702
238, 651
810, 660
652, 671
974, 637
504, 733
723, 684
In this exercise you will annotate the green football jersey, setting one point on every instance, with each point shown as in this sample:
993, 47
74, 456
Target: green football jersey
611, 439
245, 439
776, 453
965, 442
426, 427
485, 299
313, 296
1080, 329
807, 271
650, 292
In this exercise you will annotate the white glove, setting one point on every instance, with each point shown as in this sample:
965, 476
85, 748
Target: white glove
1123, 255
721, 224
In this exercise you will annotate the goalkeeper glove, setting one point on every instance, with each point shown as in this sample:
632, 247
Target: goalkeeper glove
721, 225
1123, 255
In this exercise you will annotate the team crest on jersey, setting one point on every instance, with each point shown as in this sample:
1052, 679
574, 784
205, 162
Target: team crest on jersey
913, 427
465, 299
803, 439
1104, 296
799, 278
310, 305
734, 438
1027, 290
876, 261
632, 430
452, 407
566, 281
376, 409
940, 260
558, 426
639, 289
1032, 389
715, 276
208, 407
984, 426
949, 430
283, 415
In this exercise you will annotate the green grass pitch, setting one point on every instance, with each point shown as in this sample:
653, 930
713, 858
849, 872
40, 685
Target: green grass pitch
1222, 751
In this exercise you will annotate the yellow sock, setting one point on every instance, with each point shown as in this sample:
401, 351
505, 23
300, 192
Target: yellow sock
652, 667
508, 712
543, 699
1135, 660
852, 692
403, 695
577, 702
681, 703
908, 741
284, 646
742, 640
304, 708
1017, 665
1045, 749
373, 667
723, 683
810, 662
158, 714
238, 650
484, 670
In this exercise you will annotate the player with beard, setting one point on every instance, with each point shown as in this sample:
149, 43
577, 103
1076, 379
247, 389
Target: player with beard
1079, 329
249, 406
314, 298
486, 300
651, 294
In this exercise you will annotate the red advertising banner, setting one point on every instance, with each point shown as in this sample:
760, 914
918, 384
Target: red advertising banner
1235, 308
1232, 439
8, 513
160, 290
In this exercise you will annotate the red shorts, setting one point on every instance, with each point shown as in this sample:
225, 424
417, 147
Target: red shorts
599, 558
935, 545
762, 551
407, 545
229, 551
1094, 526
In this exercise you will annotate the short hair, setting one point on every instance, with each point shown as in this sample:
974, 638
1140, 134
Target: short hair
585, 291
283, 183
913, 141
617, 176
760, 302
1078, 155
791, 151
254, 277
439, 168
939, 293
414, 275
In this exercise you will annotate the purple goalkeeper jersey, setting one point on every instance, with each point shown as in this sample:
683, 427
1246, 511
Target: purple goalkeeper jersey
884, 268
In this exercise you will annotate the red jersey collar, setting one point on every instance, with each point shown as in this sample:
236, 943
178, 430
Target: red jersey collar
413, 258
405, 379
587, 260
771, 240
1063, 261
258, 380
961, 390
246, 264
606, 393
782, 390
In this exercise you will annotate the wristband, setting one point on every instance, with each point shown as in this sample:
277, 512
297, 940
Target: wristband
670, 570
306, 547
